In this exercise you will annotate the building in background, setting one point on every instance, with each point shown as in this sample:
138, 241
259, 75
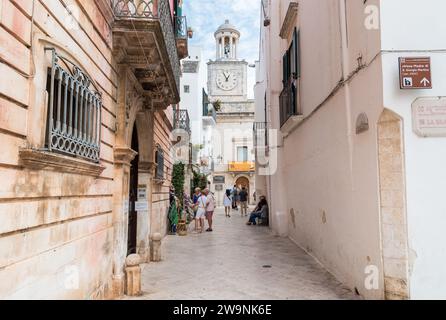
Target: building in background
357, 171
85, 123
233, 162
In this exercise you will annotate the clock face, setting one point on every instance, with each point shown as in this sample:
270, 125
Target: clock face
226, 80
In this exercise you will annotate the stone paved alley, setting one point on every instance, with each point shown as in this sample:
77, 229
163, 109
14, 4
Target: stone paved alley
229, 264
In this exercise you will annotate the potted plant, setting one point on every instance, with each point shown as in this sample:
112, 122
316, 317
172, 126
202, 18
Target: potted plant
190, 32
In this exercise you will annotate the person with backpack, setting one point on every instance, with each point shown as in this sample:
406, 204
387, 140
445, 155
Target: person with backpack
234, 197
227, 203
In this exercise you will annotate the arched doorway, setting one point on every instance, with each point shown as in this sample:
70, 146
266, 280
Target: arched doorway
393, 206
243, 182
133, 197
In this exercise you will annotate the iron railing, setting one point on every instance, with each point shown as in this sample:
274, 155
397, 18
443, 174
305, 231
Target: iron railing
181, 27
135, 8
289, 105
74, 110
153, 10
181, 120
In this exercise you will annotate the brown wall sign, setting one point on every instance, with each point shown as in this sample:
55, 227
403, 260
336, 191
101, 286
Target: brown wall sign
415, 73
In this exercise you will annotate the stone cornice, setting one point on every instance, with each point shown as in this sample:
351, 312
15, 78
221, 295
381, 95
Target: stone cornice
124, 155
290, 17
45, 160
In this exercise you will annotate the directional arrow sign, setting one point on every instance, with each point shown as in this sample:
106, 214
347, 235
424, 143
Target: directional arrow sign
415, 73
425, 82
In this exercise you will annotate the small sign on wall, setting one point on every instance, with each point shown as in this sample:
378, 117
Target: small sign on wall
142, 192
429, 117
142, 206
415, 73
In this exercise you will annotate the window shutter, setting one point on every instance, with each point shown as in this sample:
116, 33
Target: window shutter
285, 68
297, 51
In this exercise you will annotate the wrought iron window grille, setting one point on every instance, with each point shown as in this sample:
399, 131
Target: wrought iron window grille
74, 110
159, 164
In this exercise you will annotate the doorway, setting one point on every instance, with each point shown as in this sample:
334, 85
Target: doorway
392, 187
133, 197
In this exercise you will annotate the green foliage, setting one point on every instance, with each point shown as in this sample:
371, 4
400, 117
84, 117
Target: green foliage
178, 177
217, 105
199, 181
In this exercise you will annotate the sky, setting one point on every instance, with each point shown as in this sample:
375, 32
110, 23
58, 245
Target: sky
205, 16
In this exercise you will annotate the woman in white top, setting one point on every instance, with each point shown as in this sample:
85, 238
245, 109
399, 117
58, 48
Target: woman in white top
227, 202
201, 212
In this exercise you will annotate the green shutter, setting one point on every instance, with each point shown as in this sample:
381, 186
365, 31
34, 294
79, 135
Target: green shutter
297, 51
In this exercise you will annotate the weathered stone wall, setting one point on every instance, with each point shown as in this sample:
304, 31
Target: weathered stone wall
55, 228
160, 193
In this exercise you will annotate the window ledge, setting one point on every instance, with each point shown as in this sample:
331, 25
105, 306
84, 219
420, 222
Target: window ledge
159, 181
292, 123
43, 160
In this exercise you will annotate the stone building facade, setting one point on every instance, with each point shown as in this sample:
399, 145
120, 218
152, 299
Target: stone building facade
349, 176
85, 123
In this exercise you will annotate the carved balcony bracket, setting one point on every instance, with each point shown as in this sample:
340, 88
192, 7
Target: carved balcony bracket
124, 155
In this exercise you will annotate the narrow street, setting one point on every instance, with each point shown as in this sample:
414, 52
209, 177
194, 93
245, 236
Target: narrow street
232, 263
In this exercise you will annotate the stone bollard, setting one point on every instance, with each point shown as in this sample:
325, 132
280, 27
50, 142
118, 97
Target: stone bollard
133, 275
155, 248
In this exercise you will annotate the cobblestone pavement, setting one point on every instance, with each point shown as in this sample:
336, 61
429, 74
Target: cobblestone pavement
231, 263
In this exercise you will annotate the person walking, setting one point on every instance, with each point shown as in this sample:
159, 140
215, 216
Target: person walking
210, 207
227, 203
243, 202
201, 212
196, 196
234, 197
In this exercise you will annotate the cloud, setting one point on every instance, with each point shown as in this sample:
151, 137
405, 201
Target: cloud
205, 16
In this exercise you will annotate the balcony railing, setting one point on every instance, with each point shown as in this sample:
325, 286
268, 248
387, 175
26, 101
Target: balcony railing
289, 105
209, 111
181, 120
181, 27
152, 11
247, 166
135, 8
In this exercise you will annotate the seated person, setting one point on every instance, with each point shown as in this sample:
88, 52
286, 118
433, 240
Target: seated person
260, 212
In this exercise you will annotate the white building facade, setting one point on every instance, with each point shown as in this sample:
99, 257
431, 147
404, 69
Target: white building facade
233, 157
356, 171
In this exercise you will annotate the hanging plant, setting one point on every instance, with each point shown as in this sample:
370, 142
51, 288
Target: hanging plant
217, 105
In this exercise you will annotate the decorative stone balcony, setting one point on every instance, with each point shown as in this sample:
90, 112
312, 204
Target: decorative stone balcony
144, 38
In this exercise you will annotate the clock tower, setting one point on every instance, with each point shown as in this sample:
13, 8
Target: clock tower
227, 75
232, 159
